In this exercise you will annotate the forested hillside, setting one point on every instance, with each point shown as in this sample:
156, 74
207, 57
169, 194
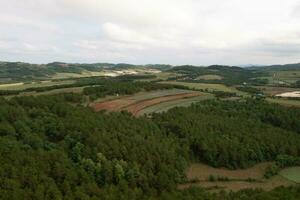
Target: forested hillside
235, 134
54, 148
228, 75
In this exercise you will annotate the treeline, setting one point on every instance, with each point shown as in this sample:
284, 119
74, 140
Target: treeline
122, 84
235, 134
230, 75
125, 88
250, 90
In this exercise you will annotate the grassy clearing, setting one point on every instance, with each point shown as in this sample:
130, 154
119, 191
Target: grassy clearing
292, 174
162, 107
35, 84
199, 175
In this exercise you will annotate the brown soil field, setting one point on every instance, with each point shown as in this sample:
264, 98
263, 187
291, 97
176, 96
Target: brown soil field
237, 178
134, 106
140, 105
114, 105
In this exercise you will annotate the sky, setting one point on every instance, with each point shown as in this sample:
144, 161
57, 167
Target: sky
198, 32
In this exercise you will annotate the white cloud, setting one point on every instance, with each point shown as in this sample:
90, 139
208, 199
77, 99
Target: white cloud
151, 31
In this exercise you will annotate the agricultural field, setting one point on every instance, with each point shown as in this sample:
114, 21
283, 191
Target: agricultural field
291, 173
137, 107
221, 178
163, 107
35, 84
140, 101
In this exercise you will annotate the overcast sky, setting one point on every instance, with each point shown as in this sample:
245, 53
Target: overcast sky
199, 32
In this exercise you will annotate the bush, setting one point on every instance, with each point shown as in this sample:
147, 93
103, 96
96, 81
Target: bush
271, 170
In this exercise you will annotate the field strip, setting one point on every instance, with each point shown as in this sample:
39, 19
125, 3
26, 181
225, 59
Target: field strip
185, 102
135, 108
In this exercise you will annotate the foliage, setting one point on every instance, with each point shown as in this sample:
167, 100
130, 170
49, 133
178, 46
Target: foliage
231, 75
250, 90
124, 88
271, 170
234, 134
51, 148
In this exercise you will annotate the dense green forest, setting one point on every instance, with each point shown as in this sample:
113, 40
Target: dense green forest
51, 147
235, 134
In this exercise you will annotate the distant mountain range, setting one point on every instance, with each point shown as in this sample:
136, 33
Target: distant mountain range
22, 71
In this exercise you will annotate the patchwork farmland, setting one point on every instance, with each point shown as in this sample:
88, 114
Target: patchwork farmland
138, 103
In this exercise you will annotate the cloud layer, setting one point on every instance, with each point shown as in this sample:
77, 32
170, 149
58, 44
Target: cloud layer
199, 32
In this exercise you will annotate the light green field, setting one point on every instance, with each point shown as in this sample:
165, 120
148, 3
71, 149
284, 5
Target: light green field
165, 106
292, 174
203, 86
36, 84
285, 102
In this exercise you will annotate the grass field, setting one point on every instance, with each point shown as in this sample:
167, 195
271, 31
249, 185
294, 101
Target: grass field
36, 84
292, 174
162, 107
198, 175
